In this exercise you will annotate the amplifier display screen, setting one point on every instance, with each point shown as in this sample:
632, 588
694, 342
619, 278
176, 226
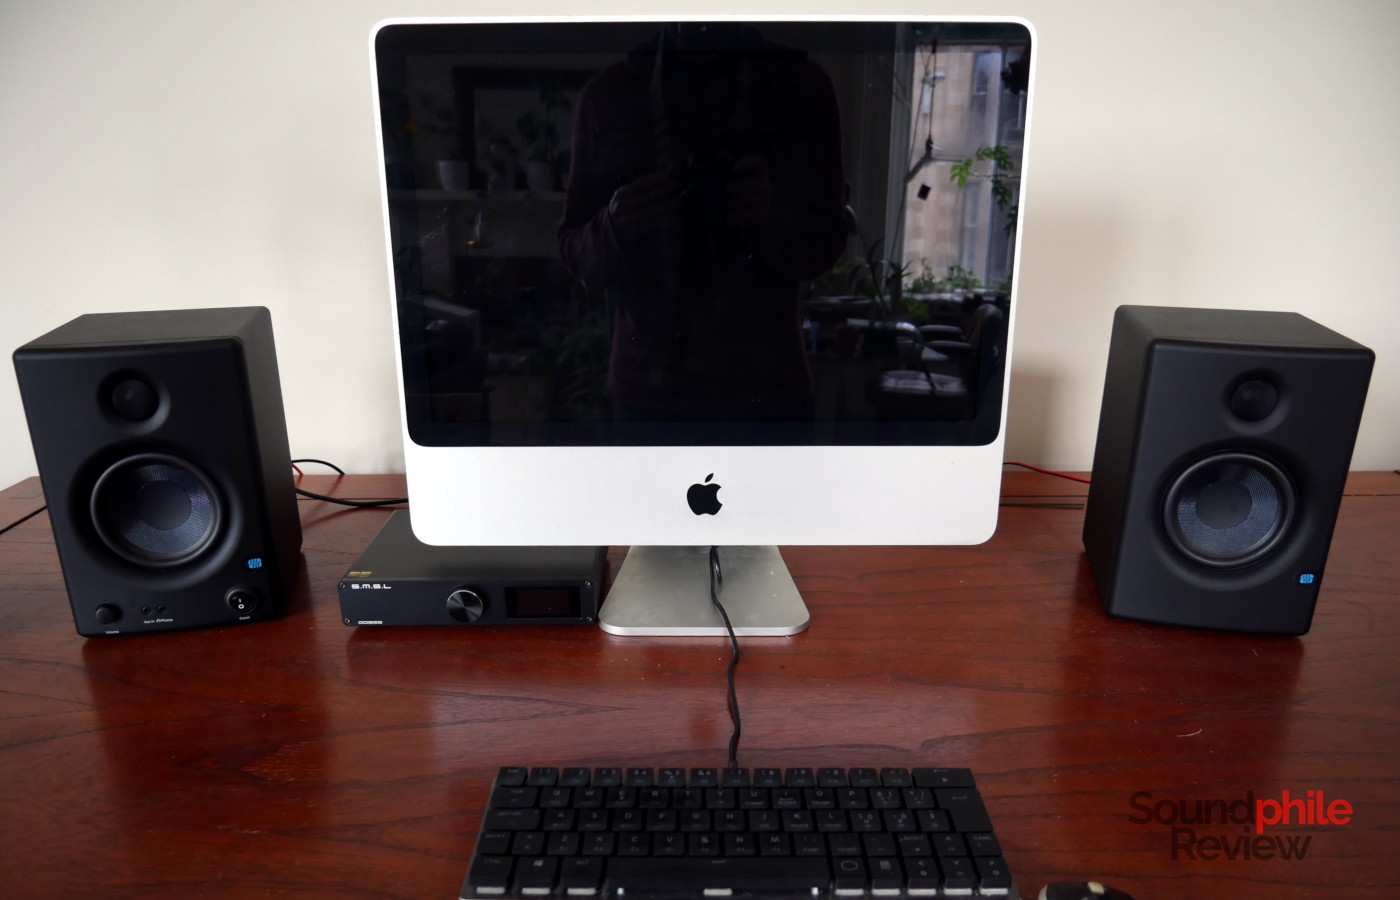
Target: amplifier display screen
542, 602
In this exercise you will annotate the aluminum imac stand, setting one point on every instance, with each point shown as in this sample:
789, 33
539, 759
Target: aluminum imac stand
665, 591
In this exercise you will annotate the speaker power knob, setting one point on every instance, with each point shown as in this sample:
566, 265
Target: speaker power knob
465, 605
241, 599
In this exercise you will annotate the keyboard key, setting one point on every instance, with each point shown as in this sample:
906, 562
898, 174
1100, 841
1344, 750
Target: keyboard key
799, 778
878, 844
865, 778
958, 874
512, 820
536, 873
933, 820
490, 872
515, 797
512, 776
734, 778
563, 844
543, 776
922, 874
634, 844
983, 844
774, 845
639, 778
850, 874
765, 820
948, 844
832, 778
607, 777
914, 845
592, 820
493, 843
575, 777
672, 844
527, 843
965, 807
581, 873
705, 844
759, 873
670, 778
704, 778
768, 778
937, 778
555, 798
740, 844
897, 778
844, 844
598, 844
886, 874
917, 798
992, 872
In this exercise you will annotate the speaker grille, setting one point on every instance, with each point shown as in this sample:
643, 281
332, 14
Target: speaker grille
156, 510
1229, 509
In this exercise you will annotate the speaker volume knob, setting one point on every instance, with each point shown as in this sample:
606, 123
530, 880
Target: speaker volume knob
465, 605
107, 613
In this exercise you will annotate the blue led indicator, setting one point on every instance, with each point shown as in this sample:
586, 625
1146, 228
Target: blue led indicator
256, 563
1307, 578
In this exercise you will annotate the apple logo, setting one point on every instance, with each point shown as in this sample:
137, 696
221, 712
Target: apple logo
703, 498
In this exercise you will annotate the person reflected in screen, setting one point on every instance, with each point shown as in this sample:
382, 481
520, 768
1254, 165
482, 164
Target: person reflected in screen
705, 184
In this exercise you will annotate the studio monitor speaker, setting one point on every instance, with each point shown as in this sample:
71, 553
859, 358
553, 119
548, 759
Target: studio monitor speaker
1223, 447
162, 450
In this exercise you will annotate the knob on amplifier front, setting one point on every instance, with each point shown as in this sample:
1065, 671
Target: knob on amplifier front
465, 605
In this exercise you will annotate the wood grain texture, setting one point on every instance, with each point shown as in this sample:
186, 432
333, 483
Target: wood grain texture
302, 758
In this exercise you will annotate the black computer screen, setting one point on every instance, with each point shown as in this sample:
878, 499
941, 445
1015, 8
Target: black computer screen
710, 233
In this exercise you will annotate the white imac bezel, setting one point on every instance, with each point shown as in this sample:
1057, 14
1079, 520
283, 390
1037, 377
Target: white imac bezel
636, 495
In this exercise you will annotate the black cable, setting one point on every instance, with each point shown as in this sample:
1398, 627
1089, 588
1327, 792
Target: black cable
358, 504
321, 462
1011, 462
716, 580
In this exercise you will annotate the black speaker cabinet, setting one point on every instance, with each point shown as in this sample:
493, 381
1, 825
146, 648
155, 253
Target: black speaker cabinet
162, 449
1223, 447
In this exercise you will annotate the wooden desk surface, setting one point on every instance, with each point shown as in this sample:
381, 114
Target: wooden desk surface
302, 758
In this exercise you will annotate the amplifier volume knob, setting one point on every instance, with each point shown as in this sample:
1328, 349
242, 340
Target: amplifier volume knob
465, 606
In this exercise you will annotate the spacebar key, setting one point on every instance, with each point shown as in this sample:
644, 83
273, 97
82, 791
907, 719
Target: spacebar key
768, 873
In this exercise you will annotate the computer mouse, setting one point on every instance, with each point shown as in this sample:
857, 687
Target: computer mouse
1080, 890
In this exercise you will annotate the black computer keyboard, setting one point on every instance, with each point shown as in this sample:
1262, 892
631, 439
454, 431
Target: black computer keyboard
736, 833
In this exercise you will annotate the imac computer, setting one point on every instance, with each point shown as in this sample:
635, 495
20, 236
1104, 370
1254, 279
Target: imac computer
675, 284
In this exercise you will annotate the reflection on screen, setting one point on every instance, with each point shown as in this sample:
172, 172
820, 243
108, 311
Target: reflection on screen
703, 232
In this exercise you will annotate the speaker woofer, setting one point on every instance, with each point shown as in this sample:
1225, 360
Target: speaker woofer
156, 510
1229, 509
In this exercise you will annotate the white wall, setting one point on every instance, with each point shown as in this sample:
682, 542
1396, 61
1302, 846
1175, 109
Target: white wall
1204, 153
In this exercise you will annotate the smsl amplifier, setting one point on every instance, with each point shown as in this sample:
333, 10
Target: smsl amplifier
400, 581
